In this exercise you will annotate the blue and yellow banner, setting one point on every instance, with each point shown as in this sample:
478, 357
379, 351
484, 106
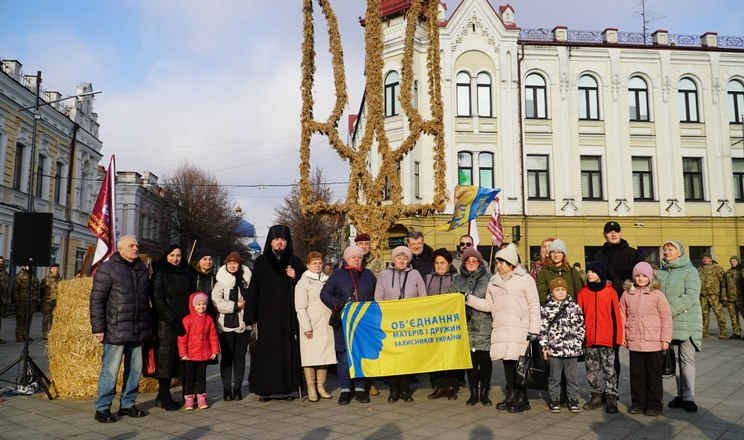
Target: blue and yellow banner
470, 202
407, 336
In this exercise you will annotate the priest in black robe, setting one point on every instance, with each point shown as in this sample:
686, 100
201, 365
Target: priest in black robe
275, 371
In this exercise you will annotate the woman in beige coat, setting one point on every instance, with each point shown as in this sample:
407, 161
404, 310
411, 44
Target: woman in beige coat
512, 299
317, 349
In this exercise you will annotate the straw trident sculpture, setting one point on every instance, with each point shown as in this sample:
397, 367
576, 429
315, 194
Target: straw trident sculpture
364, 197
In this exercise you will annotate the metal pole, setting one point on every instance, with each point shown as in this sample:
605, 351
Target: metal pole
37, 116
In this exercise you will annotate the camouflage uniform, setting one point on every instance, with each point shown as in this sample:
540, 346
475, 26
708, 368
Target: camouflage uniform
4, 294
600, 364
49, 286
732, 296
20, 291
373, 264
711, 277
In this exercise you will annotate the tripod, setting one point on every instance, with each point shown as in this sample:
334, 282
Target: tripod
31, 372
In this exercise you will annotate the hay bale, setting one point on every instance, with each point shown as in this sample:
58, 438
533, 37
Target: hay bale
74, 354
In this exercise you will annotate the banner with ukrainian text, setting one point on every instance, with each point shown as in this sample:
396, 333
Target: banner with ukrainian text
407, 336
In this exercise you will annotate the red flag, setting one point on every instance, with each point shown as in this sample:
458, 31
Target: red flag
494, 226
102, 220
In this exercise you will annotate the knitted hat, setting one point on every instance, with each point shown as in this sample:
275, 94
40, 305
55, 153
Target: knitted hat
199, 297
401, 250
233, 256
362, 237
471, 252
558, 245
599, 268
735, 257
676, 244
557, 282
643, 268
444, 253
351, 251
509, 254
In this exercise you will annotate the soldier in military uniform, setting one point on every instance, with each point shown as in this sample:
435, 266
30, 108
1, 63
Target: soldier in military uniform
732, 294
4, 292
711, 277
20, 295
49, 297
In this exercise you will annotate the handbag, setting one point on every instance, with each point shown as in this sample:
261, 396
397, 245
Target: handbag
670, 364
335, 319
149, 367
532, 369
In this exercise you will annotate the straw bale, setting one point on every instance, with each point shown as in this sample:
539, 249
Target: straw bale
74, 354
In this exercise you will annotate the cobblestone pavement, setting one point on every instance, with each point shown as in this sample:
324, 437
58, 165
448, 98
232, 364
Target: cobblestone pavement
720, 396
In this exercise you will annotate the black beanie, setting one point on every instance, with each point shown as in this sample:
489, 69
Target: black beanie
600, 269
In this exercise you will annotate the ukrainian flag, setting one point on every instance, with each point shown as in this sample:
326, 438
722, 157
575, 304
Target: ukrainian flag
470, 202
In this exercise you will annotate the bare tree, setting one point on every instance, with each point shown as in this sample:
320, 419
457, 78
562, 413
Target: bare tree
200, 210
314, 232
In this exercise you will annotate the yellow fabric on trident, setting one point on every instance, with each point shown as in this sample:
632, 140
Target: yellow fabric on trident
406, 336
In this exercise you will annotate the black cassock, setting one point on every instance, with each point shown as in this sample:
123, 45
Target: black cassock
275, 369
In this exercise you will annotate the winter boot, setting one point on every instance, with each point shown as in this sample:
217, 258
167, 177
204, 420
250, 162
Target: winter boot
520, 403
506, 403
484, 397
594, 402
164, 399
611, 404
312, 391
189, 405
322, 373
201, 400
473, 397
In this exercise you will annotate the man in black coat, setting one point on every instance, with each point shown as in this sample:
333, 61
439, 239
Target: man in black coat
422, 258
618, 256
275, 364
120, 318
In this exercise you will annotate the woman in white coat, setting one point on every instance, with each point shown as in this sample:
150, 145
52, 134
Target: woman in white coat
512, 299
317, 349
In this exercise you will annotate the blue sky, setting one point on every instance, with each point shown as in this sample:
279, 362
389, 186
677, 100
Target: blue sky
217, 82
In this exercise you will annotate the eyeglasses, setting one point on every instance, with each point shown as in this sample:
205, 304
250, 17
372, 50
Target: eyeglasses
464, 244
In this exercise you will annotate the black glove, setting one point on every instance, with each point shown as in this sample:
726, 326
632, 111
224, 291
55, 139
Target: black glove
179, 328
532, 337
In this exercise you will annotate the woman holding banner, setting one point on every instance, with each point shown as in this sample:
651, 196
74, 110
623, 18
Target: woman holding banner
473, 282
399, 281
349, 283
514, 305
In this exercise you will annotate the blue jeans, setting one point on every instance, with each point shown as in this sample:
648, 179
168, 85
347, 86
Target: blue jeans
110, 362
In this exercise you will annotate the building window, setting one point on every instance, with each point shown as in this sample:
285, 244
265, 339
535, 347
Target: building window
464, 168
485, 170
535, 100
736, 101
18, 167
463, 94
638, 91
588, 98
688, 108
484, 95
692, 174
417, 179
40, 177
538, 186
79, 259
650, 254
392, 90
643, 181
739, 179
58, 183
591, 177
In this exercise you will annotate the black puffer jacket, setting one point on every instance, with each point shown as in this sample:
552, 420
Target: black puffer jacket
119, 302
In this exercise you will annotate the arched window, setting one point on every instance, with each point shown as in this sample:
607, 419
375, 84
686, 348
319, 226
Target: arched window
638, 99
535, 100
484, 95
392, 90
688, 107
485, 170
588, 98
463, 94
736, 101
465, 168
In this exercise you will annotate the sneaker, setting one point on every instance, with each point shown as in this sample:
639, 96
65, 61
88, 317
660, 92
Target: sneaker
554, 406
676, 402
573, 405
635, 410
689, 406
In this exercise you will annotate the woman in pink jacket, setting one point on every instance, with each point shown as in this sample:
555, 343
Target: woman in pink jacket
648, 332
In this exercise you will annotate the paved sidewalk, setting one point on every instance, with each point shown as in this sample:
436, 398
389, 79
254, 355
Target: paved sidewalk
720, 396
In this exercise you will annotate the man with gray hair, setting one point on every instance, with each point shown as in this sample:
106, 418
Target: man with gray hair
120, 319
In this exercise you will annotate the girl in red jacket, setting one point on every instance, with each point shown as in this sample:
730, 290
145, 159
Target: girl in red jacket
197, 347
604, 332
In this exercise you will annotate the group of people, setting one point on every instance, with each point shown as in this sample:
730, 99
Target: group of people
288, 312
43, 296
